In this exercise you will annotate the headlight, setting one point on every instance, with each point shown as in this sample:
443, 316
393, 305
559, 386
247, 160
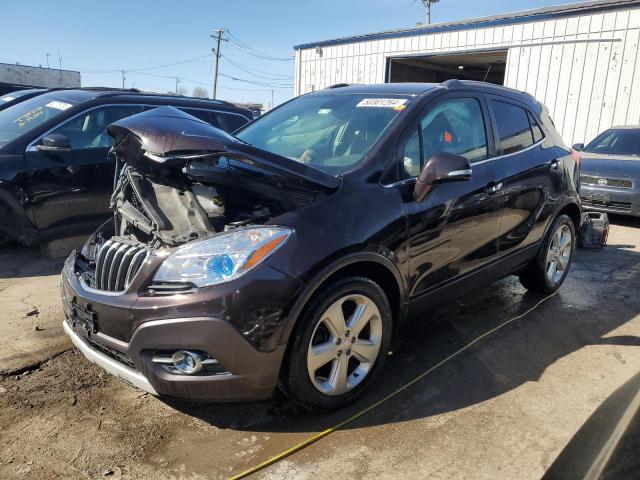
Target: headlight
222, 258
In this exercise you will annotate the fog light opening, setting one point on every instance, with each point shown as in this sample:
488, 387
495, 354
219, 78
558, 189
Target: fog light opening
188, 362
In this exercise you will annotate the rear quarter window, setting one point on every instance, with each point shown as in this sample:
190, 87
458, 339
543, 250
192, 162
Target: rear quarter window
203, 115
229, 122
513, 125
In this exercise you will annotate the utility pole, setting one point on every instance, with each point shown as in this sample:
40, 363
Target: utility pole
217, 34
60, 67
47, 60
427, 4
123, 78
177, 82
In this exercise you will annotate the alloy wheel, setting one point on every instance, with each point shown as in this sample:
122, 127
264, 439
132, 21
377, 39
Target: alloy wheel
344, 345
559, 254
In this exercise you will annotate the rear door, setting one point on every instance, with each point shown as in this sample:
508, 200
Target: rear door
70, 191
532, 182
453, 232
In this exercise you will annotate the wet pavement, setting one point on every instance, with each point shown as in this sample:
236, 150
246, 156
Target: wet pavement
503, 408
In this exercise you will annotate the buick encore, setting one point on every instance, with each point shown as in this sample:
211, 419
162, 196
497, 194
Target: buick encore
286, 256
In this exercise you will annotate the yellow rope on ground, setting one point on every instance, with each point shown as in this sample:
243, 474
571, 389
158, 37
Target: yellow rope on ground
330, 430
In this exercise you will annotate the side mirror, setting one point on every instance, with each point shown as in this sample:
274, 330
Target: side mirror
54, 143
578, 147
441, 168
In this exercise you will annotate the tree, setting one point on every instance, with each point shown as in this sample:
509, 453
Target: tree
200, 92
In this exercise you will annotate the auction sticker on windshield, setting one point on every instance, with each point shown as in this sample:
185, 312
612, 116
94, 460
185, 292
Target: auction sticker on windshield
58, 105
383, 102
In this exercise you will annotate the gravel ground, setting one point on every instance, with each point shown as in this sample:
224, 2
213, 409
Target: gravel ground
504, 408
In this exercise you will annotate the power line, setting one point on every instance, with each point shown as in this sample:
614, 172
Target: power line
144, 69
263, 84
174, 63
172, 77
260, 74
252, 51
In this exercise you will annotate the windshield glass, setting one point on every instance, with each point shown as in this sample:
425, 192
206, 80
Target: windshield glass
23, 117
331, 132
616, 142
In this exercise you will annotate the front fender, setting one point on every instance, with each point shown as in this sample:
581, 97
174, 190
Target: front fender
318, 280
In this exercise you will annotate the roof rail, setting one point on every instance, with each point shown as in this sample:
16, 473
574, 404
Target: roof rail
340, 85
453, 82
457, 83
108, 89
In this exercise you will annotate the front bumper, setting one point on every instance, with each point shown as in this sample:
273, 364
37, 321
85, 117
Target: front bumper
128, 375
610, 200
121, 333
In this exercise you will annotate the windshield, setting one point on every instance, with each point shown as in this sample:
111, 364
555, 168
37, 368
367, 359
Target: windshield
331, 132
23, 117
616, 142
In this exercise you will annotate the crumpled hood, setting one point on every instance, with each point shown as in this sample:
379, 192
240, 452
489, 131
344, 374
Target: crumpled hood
169, 137
618, 166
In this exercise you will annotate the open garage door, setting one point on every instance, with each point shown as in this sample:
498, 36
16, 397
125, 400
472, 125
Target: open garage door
486, 66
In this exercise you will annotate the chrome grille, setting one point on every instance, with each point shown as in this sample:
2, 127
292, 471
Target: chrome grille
606, 182
117, 263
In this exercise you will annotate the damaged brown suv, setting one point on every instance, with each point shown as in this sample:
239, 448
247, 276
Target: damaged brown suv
286, 255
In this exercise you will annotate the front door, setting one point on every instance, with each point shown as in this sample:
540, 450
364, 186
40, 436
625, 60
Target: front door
453, 232
70, 191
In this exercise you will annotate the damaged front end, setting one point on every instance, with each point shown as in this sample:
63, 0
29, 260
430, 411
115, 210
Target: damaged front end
180, 180
180, 270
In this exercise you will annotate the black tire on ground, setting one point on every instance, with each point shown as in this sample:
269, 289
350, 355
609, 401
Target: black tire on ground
534, 277
295, 380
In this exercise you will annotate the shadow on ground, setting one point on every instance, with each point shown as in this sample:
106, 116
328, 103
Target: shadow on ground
24, 262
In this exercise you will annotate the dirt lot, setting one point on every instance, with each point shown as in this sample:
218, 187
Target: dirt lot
504, 408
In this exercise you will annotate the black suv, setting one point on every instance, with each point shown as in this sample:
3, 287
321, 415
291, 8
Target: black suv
288, 253
56, 176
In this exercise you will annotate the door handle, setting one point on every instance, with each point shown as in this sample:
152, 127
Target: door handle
553, 164
493, 187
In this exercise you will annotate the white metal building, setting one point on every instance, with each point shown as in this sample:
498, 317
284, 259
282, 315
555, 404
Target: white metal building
38, 76
582, 60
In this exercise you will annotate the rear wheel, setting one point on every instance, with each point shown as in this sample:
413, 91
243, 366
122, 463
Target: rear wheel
340, 345
550, 268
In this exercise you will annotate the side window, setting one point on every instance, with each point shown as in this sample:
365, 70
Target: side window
411, 159
455, 126
538, 134
228, 122
203, 115
513, 127
87, 130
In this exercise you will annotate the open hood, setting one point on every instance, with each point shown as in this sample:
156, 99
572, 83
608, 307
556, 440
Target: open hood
169, 137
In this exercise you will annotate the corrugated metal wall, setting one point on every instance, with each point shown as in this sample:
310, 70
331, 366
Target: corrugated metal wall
582, 67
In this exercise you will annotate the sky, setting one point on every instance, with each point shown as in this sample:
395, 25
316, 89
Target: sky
157, 41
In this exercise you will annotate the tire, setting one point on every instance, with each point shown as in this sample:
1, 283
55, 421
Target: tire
320, 330
540, 276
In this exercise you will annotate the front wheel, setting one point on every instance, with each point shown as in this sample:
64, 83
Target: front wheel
548, 271
339, 346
